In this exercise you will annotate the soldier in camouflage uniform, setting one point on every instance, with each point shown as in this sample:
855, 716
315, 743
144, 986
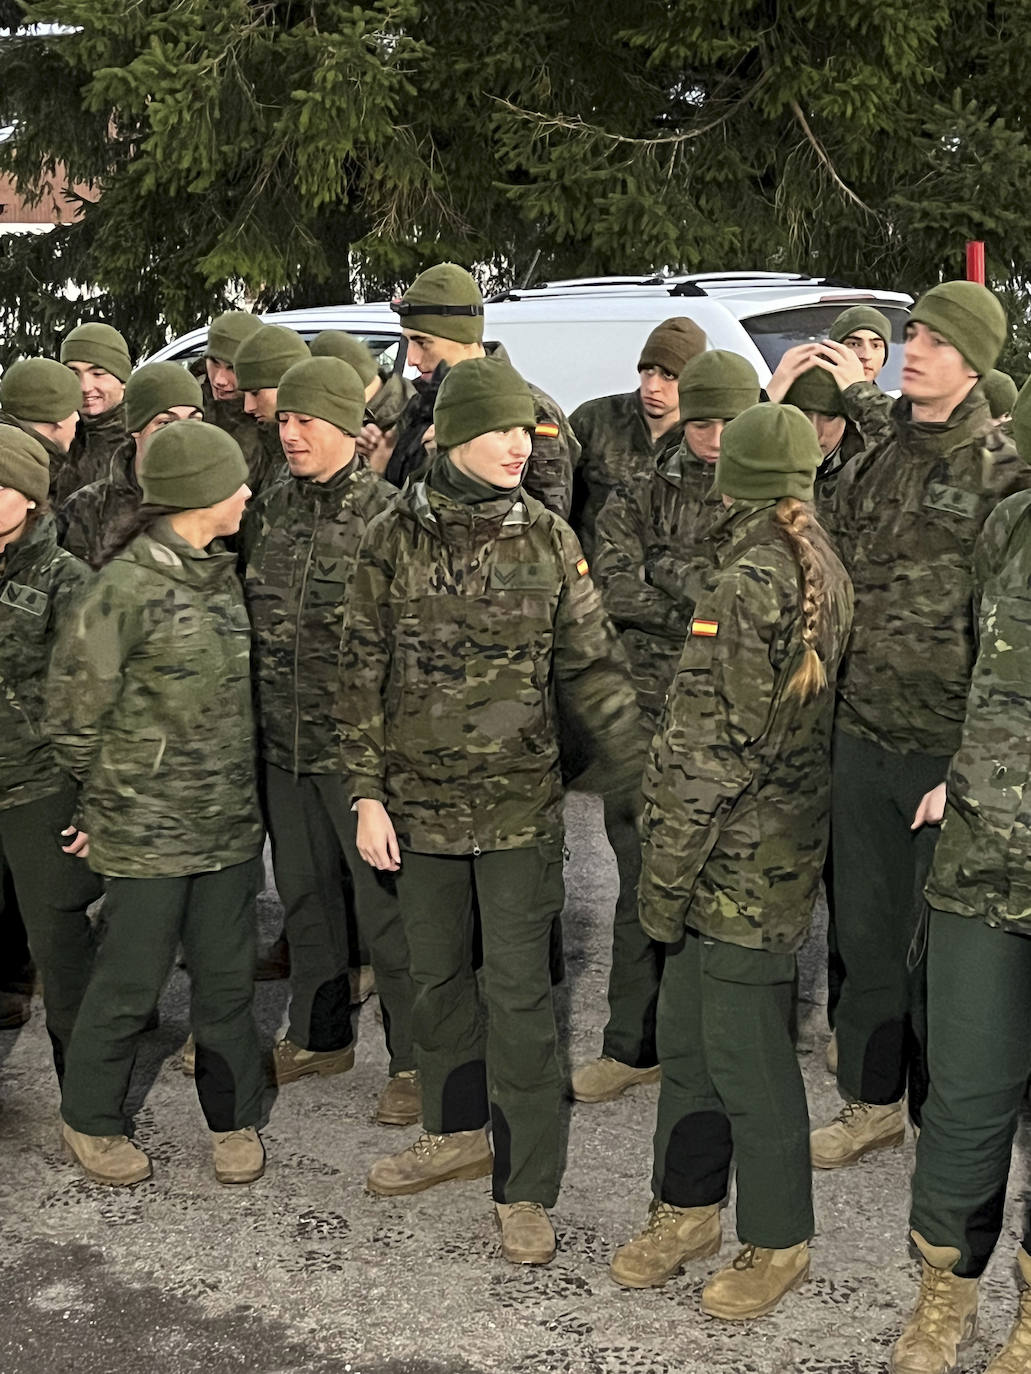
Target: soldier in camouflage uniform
261, 359
472, 624
42, 398
38, 586
150, 711
906, 514
625, 436
223, 399
652, 553
386, 392
99, 357
816, 394
736, 810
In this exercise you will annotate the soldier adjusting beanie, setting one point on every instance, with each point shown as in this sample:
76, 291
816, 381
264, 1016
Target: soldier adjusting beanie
227, 332
858, 317
157, 388
326, 388
479, 396
100, 346
816, 390
671, 345
444, 301
265, 355
40, 390
767, 452
24, 463
191, 466
1001, 391
337, 343
969, 317
717, 385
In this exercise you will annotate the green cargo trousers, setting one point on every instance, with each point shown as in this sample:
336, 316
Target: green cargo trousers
53, 890
979, 1044
636, 959
213, 916
506, 1070
732, 1089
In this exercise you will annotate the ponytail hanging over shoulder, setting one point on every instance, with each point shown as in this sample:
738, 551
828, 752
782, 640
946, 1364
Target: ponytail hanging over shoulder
799, 527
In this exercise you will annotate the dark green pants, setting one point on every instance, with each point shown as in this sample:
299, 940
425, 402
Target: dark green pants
880, 867
732, 1089
17, 972
213, 917
53, 890
636, 959
979, 1043
506, 1070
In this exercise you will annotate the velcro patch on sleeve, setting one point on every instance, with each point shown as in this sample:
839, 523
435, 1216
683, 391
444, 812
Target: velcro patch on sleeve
581, 566
547, 429
708, 628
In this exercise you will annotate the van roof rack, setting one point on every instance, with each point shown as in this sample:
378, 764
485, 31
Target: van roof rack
693, 284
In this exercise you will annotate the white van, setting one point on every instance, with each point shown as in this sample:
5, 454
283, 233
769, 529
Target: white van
582, 338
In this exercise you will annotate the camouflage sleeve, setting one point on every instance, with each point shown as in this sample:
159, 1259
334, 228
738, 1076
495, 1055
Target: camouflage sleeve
555, 453
77, 523
869, 408
620, 567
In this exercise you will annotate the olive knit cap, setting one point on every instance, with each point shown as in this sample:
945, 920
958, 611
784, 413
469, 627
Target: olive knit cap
816, 390
40, 390
101, 346
969, 317
443, 301
24, 463
717, 385
191, 466
478, 396
325, 388
337, 343
671, 345
858, 317
158, 387
1021, 422
767, 452
1001, 391
227, 332
265, 355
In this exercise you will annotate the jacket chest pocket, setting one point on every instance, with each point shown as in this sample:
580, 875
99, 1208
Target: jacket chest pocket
328, 581
946, 500
29, 600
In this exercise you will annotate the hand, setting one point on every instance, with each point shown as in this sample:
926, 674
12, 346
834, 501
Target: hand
931, 808
843, 365
78, 842
377, 842
429, 439
376, 447
794, 362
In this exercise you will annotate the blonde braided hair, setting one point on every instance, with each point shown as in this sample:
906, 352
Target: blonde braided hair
804, 535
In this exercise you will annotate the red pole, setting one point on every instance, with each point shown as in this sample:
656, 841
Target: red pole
975, 261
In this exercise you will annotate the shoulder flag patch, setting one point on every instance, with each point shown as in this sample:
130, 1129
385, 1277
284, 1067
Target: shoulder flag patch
705, 627
547, 429
581, 566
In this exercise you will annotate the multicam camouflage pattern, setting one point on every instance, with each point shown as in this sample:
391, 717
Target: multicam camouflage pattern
39, 583
91, 515
651, 558
90, 453
616, 449
386, 407
982, 863
300, 543
737, 790
870, 410
150, 711
473, 635
906, 515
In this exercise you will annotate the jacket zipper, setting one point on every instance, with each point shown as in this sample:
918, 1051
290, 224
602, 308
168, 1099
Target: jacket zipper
297, 644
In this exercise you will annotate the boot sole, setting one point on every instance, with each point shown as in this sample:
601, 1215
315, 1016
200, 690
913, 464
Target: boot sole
652, 1076
762, 1311
964, 1345
479, 1169
888, 1143
703, 1252
396, 1119
148, 1170
251, 1176
313, 1071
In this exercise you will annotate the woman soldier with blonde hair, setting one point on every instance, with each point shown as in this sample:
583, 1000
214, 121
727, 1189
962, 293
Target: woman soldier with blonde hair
737, 800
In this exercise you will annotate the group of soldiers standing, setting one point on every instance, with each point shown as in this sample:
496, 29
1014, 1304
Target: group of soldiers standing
287, 593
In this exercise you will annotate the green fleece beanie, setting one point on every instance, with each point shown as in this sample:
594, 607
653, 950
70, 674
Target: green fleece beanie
326, 388
443, 301
337, 343
671, 345
717, 385
227, 332
478, 396
1021, 422
767, 452
40, 390
24, 463
157, 388
816, 390
191, 466
1001, 391
100, 346
969, 317
265, 355
858, 317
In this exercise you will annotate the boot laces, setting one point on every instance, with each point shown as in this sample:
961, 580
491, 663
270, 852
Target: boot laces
935, 1314
428, 1144
525, 1207
663, 1216
747, 1257
852, 1110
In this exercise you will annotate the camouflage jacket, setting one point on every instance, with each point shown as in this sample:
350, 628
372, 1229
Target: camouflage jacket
651, 556
737, 791
386, 407
616, 448
150, 710
87, 520
982, 863
473, 634
299, 546
906, 514
89, 456
38, 586
869, 409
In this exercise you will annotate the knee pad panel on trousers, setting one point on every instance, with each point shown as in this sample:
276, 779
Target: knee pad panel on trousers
696, 1170
463, 1101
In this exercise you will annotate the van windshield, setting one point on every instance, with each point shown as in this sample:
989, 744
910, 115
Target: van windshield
774, 333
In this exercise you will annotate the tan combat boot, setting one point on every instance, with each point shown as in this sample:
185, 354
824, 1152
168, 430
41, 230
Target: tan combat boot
755, 1282
400, 1102
672, 1236
291, 1062
1015, 1355
188, 1057
527, 1235
605, 1079
110, 1159
858, 1129
944, 1319
432, 1159
239, 1155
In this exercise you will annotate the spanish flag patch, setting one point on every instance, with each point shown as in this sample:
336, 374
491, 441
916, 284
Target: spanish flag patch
581, 566
546, 430
705, 627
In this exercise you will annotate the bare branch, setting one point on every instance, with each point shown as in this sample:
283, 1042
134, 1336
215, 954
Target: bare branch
822, 154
